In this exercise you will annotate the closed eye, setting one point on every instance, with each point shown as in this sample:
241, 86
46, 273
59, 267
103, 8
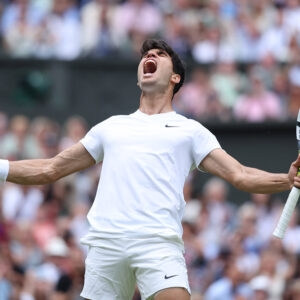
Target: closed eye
159, 52
162, 53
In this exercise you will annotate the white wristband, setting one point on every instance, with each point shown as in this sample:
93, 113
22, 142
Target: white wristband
4, 169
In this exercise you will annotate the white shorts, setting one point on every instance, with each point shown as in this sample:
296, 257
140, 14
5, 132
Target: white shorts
116, 266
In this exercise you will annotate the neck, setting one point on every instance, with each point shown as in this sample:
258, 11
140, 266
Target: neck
155, 104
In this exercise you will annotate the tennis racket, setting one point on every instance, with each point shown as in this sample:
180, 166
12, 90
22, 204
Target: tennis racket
292, 200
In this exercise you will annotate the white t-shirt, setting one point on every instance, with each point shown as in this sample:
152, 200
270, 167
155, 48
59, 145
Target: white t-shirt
146, 159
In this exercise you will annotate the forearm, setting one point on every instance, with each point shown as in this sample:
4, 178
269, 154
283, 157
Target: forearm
261, 182
31, 172
247, 179
43, 171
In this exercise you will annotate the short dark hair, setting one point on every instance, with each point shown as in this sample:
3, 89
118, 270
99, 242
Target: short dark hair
178, 65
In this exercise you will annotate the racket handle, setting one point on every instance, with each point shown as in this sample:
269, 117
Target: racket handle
287, 213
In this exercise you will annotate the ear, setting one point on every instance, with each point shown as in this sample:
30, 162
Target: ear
175, 78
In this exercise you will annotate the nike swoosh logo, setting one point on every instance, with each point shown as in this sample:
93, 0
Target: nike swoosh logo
171, 125
168, 277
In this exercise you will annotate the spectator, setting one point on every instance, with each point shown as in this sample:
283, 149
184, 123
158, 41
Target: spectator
21, 203
44, 225
260, 285
41, 280
291, 16
19, 38
259, 104
44, 137
197, 99
232, 285
275, 39
212, 47
280, 86
20, 9
194, 95
15, 143
247, 36
243, 240
135, 20
270, 268
193, 245
267, 213
228, 82
58, 33
175, 33
25, 253
74, 129
215, 194
97, 34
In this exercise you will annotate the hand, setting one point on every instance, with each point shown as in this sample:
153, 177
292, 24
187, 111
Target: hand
293, 178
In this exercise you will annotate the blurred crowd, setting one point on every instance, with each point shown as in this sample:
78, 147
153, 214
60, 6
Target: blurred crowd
246, 66
251, 48
229, 248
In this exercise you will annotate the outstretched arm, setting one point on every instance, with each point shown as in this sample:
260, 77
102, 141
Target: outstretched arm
42, 171
247, 179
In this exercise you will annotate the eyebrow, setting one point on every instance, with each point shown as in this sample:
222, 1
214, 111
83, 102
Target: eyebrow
158, 50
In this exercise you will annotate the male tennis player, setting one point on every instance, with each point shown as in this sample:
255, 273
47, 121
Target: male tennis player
135, 221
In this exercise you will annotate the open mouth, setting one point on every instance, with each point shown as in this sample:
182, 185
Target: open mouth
150, 66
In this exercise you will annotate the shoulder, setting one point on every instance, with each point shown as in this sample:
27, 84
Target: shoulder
111, 120
189, 123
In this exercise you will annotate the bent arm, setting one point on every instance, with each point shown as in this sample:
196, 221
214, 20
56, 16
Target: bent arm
246, 179
42, 171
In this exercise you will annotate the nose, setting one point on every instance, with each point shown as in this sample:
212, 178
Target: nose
150, 54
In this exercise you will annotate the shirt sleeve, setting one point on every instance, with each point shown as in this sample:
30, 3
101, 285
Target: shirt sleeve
203, 143
93, 142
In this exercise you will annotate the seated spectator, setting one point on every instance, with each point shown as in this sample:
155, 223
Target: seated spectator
44, 225
25, 253
74, 129
271, 262
16, 143
247, 35
291, 15
58, 33
275, 39
19, 38
260, 286
20, 9
212, 47
243, 240
44, 137
176, 33
96, 22
259, 104
134, 20
42, 279
267, 209
192, 99
232, 285
21, 203
228, 82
